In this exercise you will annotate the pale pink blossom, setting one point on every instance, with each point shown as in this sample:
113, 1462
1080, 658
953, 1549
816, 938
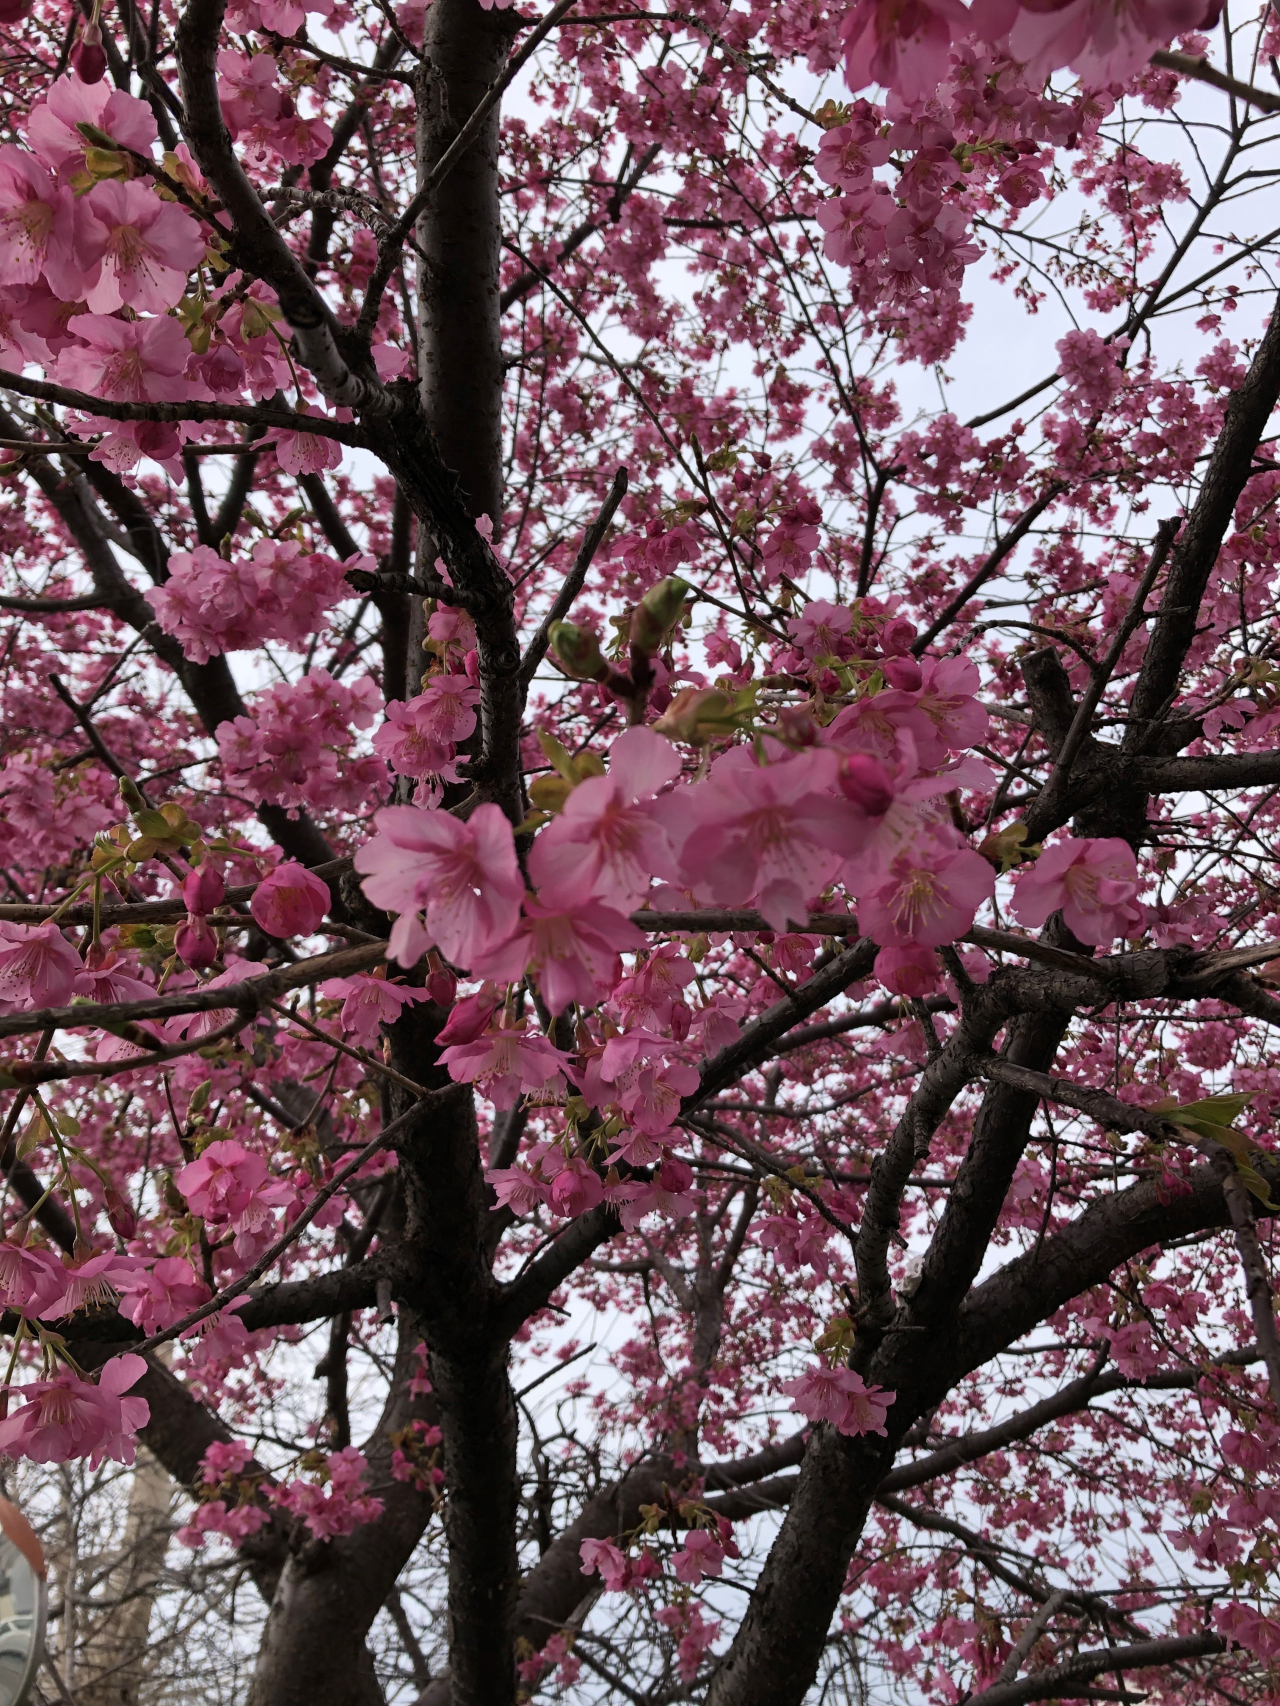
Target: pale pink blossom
602, 1558
52, 125
154, 1298
91, 1284
38, 966
902, 47
420, 735
279, 592
1093, 882
607, 844
573, 954
463, 876
503, 1063
126, 361
516, 1189
37, 224
30, 1278
290, 901
369, 1003
70, 1417
668, 1193
701, 1555
841, 1397
769, 833
576, 1188
228, 1183
137, 249
908, 969
928, 895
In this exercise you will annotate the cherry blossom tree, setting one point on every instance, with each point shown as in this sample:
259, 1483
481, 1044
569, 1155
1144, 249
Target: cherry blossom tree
692, 931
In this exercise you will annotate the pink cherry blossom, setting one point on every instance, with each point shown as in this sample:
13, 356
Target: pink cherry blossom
928, 895
154, 1298
575, 1189
463, 875
37, 223
420, 736
141, 248
70, 1417
771, 833
91, 1284
290, 901
227, 1183
30, 1278
602, 1558
38, 966
573, 954
279, 592
901, 46
127, 361
701, 1555
1093, 882
606, 844
502, 1063
841, 1397
70, 102
369, 1003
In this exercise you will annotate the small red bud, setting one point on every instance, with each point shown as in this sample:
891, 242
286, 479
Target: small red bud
88, 59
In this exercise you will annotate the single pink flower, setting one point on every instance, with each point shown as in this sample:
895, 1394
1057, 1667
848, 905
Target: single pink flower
290, 901
908, 969
368, 1003
602, 1558
772, 833
464, 875
606, 844
37, 224
573, 954
1093, 882
154, 1298
69, 1417
927, 896
52, 126
576, 1188
126, 361
30, 1279
902, 44
138, 248
38, 966
503, 1063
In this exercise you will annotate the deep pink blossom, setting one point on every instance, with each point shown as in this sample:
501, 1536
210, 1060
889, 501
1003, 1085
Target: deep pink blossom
841, 1397
606, 844
38, 966
69, 1417
139, 248
573, 954
928, 895
290, 901
1094, 882
463, 877
502, 1063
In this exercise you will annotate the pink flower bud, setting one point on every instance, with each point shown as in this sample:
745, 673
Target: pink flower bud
902, 672
468, 1019
866, 782
156, 438
202, 890
290, 902
88, 60
442, 986
124, 1222
897, 637
196, 943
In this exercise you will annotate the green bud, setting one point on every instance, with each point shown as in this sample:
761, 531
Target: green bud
657, 613
578, 650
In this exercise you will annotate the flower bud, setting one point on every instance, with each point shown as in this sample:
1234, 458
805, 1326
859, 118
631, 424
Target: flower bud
124, 1222
866, 782
652, 618
796, 726
290, 902
903, 672
196, 944
578, 650
442, 986
202, 890
698, 714
88, 57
